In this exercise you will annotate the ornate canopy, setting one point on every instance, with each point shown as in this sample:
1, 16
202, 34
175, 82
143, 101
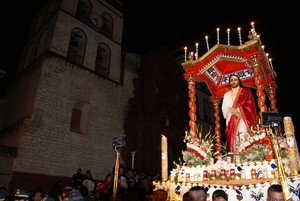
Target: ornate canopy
215, 66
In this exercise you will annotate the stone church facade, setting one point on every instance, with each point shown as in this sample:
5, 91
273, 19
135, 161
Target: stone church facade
68, 100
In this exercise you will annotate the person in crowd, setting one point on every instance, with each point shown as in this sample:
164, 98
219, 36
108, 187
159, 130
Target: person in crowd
21, 195
186, 196
57, 191
275, 193
156, 177
198, 193
89, 183
129, 176
77, 179
66, 191
38, 195
104, 189
240, 111
219, 195
4, 194
88, 175
75, 195
160, 195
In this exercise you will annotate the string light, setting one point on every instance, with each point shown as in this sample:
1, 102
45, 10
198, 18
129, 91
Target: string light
185, 53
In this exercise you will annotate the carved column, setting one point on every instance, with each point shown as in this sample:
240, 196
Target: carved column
192, 105
271, 95
216, 102
259, 86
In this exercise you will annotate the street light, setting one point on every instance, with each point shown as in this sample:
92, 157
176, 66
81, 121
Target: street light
118, 142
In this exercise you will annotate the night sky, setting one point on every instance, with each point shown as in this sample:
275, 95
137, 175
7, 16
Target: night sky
151, 24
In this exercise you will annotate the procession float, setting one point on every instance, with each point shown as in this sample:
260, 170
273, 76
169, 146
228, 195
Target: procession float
269, 153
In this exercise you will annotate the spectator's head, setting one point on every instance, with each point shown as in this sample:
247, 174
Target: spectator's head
219, 195
186, 197
198, 193
38, 195
275, 193
21, 195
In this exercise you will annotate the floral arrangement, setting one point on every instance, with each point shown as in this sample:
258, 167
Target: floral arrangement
199, 148
259, 147
255, 147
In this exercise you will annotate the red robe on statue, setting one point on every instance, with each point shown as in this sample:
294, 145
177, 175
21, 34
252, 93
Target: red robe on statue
244, 101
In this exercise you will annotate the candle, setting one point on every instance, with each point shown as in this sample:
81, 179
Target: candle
192, 56
276, 174
228, 36
253, 173
213, 175
185, 53
228, 159
132, 159
232, 173
196, 54
270, 60
240, 36
237, 159
212, 161
223, 174
243, 174
265, 173
205, 175
207, 45
253, 28
218, 36
164, 158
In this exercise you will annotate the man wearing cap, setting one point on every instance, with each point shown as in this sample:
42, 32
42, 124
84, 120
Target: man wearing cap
21, 195
219, 195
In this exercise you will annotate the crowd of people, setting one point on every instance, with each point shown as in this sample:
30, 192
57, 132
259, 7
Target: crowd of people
132, 185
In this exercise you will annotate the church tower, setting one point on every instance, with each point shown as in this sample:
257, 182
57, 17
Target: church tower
68, 100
